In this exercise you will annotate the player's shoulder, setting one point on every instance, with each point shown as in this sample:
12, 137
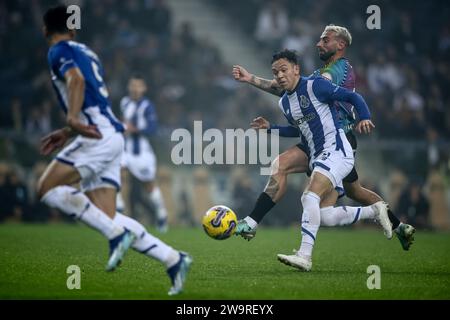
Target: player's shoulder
322, 87
319, 80
125, 100
342, 65
58, 48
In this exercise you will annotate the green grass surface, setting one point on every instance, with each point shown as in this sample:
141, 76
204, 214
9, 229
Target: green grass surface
34, 259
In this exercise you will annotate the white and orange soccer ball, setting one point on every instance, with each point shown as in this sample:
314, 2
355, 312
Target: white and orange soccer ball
219, 222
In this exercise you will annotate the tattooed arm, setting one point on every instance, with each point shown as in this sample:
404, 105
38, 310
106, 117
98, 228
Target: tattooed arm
270, 86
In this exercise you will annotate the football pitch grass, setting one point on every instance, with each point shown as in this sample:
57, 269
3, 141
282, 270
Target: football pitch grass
34, 261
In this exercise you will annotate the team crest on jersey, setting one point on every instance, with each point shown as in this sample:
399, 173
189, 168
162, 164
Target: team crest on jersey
304, 102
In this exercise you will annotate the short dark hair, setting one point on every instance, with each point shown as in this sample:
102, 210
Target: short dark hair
55, 20
137, 76
289, 55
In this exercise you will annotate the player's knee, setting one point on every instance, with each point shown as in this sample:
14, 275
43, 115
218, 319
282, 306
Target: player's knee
41, 188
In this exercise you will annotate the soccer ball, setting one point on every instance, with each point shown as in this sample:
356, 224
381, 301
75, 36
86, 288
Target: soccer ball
219, 222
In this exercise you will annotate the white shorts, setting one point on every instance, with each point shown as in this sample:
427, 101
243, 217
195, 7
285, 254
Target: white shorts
334, 164
97, 160
142, 165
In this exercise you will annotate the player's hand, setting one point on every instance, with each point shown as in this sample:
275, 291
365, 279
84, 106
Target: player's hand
240, 74
260, 123
364, 126
54, 141
130, 128
89, 131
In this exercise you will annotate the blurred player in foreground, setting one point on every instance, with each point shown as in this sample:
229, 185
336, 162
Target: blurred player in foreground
331, 47
140, 119
93, 157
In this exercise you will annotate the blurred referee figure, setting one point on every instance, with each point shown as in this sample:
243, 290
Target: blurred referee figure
140, 118
331, 48
93, 158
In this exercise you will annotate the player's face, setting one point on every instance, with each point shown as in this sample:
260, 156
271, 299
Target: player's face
286, 74
328, 45
136, 88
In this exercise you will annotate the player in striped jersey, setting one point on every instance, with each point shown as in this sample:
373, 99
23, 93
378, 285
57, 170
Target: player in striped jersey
92, 159
332, 45
307, 104
140, 118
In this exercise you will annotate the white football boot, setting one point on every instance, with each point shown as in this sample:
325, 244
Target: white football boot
382, 217
300, 262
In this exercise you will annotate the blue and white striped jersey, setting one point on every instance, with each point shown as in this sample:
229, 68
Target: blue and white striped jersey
142, 115
310, 108
96, 109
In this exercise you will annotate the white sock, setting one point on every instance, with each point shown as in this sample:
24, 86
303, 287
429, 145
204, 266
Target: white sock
342, 216
147, 244
251, 222
76, 204
120, 204
156, 198
310, 222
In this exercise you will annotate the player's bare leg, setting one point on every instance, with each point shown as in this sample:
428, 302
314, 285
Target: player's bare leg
55, 190
329, 199
293, 160
404, 232
104, 199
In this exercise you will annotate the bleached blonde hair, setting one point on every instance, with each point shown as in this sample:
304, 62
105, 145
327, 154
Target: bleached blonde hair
341, 32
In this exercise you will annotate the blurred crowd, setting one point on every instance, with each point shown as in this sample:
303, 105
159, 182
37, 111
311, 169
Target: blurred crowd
402, 71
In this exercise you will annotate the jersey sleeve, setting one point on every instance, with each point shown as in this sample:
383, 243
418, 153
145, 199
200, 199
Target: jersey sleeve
61, 59
327, 92
285, 131
323, 89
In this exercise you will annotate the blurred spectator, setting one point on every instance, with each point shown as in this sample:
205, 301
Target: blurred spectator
397, 183
19, 197
5, 196
38, 122
383, 76
243, 194
436, 193
13, 195
272, 25
413, 206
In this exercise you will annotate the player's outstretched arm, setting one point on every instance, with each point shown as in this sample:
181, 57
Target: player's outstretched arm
365, 125
270, 86
75, 88
325, 91
283, 131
